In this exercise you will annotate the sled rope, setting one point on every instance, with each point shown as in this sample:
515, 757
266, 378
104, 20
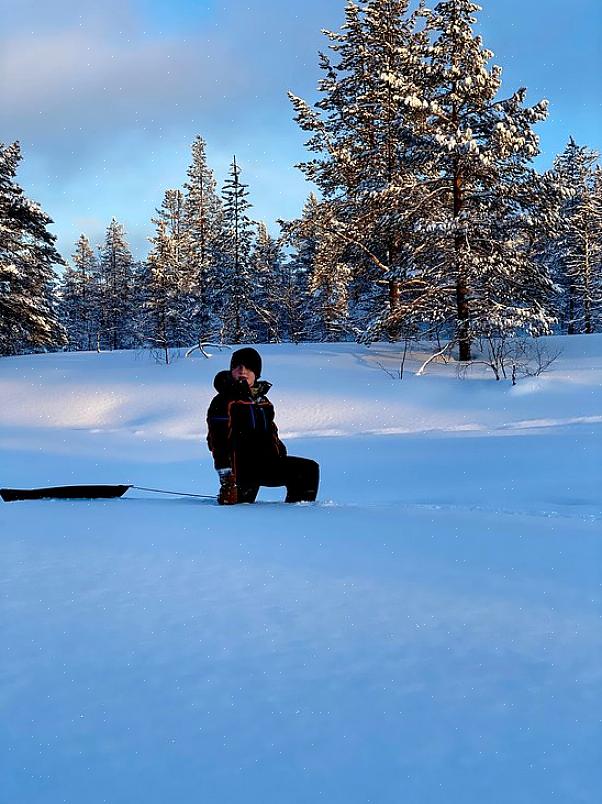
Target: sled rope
177, 493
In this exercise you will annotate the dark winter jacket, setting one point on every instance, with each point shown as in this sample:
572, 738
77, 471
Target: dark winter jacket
242, 434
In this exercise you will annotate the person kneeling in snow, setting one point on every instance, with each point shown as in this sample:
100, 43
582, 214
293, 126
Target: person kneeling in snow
243, 438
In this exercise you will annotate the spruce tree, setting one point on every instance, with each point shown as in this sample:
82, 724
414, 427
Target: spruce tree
321, 274
596, 284
28, 315
294, 301
170, 258
578, 247
160, 324
269, 288
235, 284
116, 297
367, 165
478, 267
428, 177
203, 225
328, 306
302, 236
78, 293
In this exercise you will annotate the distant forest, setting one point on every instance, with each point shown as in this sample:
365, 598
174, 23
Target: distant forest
428, 220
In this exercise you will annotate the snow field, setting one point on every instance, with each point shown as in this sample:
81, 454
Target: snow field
429, 632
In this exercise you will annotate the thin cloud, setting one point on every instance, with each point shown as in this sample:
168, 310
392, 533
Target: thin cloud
72, 80
107, 98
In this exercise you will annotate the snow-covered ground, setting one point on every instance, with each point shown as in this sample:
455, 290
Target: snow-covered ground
430, 631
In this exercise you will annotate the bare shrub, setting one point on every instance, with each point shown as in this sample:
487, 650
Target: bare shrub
513, 358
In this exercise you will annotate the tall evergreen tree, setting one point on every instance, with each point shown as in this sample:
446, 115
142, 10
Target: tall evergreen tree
171, 259
28, 315
160, 305
203, 224
78, 293
269, 288
294, 301
302, 236
365, 136
486, 209
328, 307
596, 307
427, 177
322, 272
235, 283
578, 248
116, 299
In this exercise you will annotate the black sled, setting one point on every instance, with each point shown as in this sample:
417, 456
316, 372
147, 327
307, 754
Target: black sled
64, 493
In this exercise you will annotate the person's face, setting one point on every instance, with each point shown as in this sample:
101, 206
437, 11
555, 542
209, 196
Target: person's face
243, 373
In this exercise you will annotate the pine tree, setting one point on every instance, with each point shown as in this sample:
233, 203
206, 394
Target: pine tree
78, 293
368, 167
294, 301
479, 268
235, 283
269, 288
428, 177
203, 224
28, 315
171, 260
596, 284
160, 292
328, 306
302, 236
116, 299
319, 277
578, 248
169, 302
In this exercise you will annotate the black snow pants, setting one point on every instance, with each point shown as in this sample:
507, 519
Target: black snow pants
301, 476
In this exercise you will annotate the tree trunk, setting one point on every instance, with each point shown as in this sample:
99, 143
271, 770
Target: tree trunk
393, 295
393, 330
571, 322
463, 318
587, 300
463, 326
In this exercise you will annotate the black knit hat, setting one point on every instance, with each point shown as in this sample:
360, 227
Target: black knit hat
249, 358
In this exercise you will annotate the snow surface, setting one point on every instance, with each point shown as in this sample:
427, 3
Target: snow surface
428, 632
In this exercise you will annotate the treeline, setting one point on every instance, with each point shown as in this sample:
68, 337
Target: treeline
430, 218
212, 273
434, 220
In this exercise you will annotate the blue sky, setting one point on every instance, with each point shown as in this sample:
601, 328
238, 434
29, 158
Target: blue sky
106, 99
